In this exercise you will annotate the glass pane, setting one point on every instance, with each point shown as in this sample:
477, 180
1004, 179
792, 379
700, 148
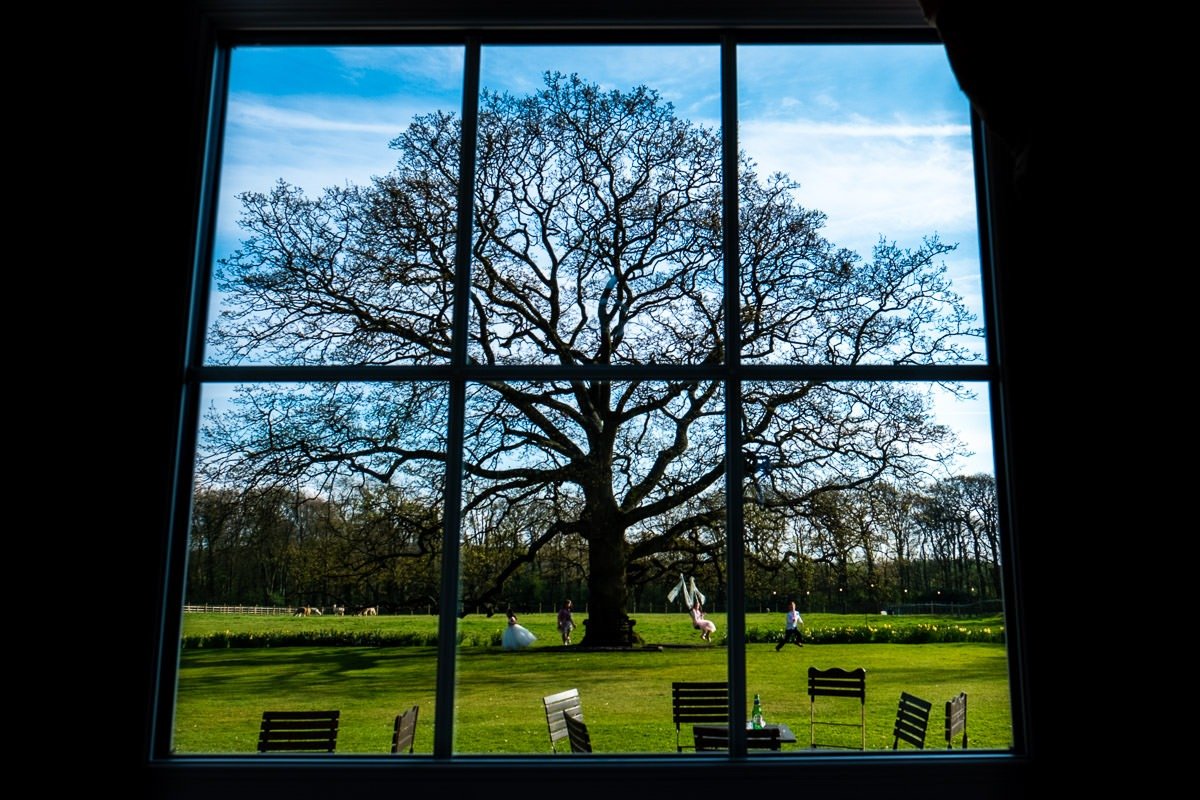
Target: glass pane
598, 206
314, 562
605, 494
859, 239
871, 511
335, 228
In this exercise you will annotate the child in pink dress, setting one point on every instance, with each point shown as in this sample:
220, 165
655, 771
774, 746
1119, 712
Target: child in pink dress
566, 622
706, 627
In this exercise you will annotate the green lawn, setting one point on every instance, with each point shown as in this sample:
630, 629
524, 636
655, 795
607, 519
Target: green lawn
626, 694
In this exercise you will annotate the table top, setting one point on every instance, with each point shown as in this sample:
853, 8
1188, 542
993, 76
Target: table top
786, 736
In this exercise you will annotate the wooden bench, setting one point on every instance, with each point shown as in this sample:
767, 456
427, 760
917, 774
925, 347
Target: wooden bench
716, 737
294, 731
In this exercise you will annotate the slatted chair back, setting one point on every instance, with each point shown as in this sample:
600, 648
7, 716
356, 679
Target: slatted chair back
404, 730
698, 703
912, 719
956, 720
577, 734
838, 683
716, 737
557, 705
296, 731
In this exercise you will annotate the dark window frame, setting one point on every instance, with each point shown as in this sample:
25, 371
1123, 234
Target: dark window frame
297, 22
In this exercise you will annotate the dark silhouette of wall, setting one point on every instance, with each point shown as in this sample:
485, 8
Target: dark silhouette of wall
997, 72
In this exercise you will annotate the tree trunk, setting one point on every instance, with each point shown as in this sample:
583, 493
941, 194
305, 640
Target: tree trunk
607, 622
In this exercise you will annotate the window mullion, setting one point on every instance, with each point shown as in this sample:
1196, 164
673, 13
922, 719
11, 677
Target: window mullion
443, 735
736, 582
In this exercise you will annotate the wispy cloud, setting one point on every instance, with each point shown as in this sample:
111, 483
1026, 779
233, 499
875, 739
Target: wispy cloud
279, 120
311, 142
858, 130
440, 67
689, 77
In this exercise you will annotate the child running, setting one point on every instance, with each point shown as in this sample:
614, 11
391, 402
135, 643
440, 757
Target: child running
791, 631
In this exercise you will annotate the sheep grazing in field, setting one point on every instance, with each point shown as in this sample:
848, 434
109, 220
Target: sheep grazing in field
369, 611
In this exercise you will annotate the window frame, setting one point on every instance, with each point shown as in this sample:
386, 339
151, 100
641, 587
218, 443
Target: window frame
220, 26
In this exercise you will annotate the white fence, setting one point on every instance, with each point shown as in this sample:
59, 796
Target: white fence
948, 609
325, 611
266, 610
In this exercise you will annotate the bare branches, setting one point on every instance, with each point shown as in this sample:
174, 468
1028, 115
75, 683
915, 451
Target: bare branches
597, 225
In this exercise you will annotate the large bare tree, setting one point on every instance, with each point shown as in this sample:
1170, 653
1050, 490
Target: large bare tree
597, 240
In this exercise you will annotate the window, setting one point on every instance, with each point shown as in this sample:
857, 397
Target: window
763, 379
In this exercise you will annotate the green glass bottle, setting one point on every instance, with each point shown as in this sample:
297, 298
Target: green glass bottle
756, 717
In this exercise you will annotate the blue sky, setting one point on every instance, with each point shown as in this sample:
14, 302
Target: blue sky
877, 136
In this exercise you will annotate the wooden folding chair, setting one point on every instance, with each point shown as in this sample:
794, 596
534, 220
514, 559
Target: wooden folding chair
294, 731
577, 733
956, 720
698, 702
404, 731
557, 705
839, 683
912, 719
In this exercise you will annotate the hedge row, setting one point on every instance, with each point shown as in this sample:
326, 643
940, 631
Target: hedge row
851, 634
884, 634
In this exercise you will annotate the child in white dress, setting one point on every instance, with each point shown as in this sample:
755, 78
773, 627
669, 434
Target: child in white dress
515, 636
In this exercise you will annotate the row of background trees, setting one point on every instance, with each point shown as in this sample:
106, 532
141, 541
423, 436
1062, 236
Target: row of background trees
877, 548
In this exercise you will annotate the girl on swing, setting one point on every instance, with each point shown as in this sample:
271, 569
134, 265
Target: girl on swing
706, 627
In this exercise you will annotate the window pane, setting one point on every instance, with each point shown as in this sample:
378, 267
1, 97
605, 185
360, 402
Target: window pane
859, 238
604, 494
314, 562
335, 229
596, 240
873, 508
598, 206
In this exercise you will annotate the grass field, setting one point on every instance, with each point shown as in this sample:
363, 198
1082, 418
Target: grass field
477, 629
626, 694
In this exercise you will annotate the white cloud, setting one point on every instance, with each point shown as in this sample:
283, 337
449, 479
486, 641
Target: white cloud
312, 143
970, 419
901, 181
